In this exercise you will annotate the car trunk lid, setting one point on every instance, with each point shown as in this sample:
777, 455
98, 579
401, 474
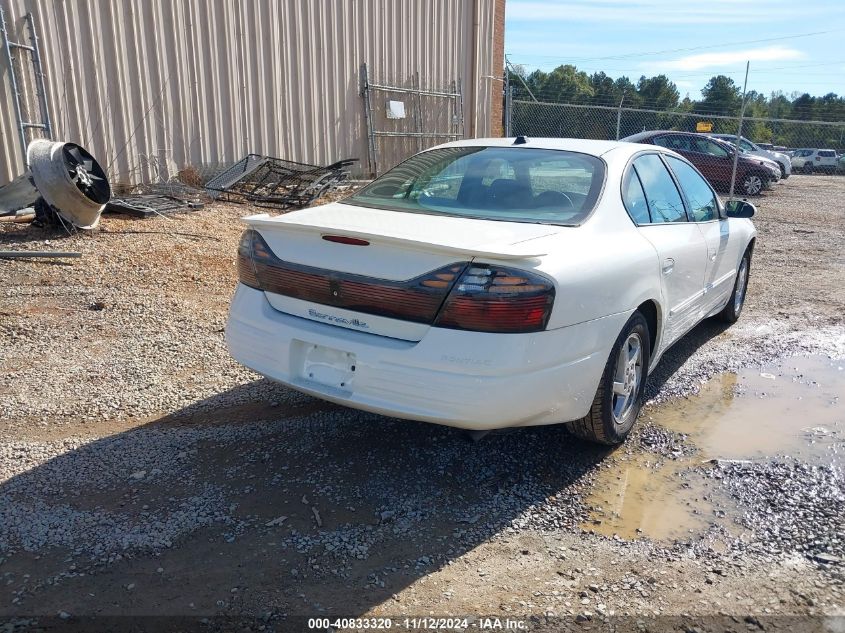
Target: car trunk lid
393, 274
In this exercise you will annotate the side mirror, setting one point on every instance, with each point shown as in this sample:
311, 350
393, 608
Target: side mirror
739, 209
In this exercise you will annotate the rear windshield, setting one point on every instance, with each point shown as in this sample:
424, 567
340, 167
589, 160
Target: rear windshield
496, 183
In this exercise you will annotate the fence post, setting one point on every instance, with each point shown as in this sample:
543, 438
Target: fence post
508, 111
368, 116
739, 130
619, 116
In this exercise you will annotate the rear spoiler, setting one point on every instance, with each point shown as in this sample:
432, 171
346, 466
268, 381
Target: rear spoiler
495, 251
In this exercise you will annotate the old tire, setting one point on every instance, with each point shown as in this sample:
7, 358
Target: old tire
730, 313
620, 393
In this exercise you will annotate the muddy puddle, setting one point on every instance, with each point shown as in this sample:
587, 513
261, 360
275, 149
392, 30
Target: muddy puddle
795, 408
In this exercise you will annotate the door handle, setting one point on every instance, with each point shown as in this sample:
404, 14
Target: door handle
712, 255
668, 266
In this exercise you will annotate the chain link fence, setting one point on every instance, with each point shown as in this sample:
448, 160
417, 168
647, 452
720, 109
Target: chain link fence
807, 146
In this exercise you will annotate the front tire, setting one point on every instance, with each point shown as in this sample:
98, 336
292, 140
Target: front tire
753, 184
620, 393
808, 168
730, 313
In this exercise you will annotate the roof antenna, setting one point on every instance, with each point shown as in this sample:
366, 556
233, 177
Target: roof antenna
520, 140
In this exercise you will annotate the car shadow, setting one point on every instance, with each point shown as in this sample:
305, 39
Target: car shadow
264, 502
260, 500
677, 355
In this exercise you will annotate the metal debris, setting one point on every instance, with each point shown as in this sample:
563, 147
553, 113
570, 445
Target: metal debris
267, 181
145, 206
21, 215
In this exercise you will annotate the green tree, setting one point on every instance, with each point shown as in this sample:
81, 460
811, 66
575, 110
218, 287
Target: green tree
658, 92
721, 96
565, 84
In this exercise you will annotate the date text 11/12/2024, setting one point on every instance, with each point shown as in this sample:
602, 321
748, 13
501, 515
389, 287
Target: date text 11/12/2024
418, 624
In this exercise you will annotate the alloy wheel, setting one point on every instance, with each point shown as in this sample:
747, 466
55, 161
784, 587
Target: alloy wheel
627, 377
741, 284
753, 185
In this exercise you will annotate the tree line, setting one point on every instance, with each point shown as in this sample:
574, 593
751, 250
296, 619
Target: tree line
721, 96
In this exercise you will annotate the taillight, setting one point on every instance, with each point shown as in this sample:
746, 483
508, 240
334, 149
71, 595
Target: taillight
490, 298
416, 299
246, 269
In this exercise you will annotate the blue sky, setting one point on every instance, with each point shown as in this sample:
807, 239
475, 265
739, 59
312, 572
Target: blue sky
793, 45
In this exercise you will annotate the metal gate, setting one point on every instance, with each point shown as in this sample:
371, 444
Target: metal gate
403, 120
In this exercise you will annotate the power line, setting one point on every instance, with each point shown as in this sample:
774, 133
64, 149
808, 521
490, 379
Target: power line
714, 70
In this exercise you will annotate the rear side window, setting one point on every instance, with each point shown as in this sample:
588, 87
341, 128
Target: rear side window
633, 198
676, 142
827, 153
662, 195
702, 200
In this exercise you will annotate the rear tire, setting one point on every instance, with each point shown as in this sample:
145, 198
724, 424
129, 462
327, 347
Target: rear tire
730, 313
620, 393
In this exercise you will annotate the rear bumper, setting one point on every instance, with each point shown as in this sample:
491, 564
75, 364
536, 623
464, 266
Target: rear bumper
469, 380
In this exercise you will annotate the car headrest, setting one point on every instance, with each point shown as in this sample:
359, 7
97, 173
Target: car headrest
506, 192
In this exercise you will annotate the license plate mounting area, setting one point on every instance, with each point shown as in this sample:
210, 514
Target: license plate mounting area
326, 365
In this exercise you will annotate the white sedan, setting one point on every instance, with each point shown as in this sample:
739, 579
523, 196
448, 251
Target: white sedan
493, 283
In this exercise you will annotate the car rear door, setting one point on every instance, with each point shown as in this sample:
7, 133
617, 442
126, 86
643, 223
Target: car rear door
711, 159
722, 246
679, 243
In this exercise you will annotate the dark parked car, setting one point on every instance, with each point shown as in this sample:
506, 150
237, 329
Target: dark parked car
714, 159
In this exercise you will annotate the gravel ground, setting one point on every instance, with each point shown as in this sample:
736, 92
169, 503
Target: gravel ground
143, 471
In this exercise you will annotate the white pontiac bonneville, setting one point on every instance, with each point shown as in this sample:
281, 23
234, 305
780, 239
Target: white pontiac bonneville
492, 283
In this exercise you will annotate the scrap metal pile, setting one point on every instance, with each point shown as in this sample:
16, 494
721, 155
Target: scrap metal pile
267, 181
148, 205
64, 185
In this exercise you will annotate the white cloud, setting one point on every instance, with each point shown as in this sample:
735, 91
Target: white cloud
727, 58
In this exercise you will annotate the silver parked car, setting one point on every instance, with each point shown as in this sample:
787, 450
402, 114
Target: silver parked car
758, 150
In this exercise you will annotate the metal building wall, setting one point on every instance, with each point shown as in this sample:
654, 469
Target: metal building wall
206, 81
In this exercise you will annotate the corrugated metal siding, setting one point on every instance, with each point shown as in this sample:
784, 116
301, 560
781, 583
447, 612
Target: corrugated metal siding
207, 81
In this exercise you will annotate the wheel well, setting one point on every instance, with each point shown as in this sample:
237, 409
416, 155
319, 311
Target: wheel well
650, 311
750, 248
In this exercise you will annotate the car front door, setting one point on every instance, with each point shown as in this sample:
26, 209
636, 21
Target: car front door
722, 245
679, 244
